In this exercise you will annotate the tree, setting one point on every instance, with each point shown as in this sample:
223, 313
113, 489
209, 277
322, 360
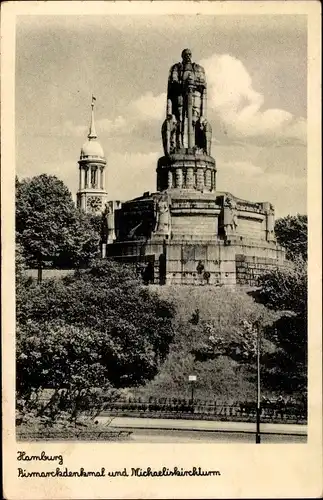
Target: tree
285, 290
20, 261
129, 326
81, 243
48, 225
291, 233
64, 360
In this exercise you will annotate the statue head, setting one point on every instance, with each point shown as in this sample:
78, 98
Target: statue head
187, 56
162, 206
107, 209
202, 123
230, 203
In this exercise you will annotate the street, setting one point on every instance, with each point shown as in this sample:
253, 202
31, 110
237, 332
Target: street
182, 431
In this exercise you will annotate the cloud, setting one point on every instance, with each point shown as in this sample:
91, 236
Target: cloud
128, 175
131, 174
149, 107
242, 168
137, 121
253, 182
236, 110
69, 129
244, 132
242, 110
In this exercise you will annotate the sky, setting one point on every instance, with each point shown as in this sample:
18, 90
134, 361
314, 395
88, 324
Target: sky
256, 69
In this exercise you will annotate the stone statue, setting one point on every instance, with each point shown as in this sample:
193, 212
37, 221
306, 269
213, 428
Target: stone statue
186, 99
105, 222
162, 220
107, 226
203, 135
230, 220
170, 134
270, 225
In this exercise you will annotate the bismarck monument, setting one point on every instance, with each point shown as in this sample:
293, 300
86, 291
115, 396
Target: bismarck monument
188, 232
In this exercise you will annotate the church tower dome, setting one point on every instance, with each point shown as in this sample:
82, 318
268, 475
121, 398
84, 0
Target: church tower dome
92, 148
91, 194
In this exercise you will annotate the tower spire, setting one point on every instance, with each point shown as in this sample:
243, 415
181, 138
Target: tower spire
92, 132
91, 194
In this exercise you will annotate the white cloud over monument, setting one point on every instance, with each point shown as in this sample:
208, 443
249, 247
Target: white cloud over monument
232, 100
242, 109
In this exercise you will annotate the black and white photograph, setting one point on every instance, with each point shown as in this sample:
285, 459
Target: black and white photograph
161, 238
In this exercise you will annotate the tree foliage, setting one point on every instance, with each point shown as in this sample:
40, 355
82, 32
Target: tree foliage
49, 227
222, 379
291, 233
97, 325
285, 289
286, 370
63, 359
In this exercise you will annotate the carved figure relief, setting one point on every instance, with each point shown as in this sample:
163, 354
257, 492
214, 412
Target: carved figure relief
203, 135
108, 224
162, 218
105, 222
170, 134
271, 224
230, 219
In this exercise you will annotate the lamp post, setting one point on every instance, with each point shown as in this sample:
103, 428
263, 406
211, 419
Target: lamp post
192, 380
258, 410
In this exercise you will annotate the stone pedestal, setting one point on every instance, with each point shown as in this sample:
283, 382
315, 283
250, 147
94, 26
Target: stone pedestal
186, 170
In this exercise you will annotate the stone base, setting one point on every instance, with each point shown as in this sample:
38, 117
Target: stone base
183, 236
199, 262
186, 171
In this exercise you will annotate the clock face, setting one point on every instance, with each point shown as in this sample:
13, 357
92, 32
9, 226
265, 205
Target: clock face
94, 203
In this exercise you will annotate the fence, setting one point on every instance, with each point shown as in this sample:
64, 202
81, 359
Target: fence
275, 412
76, 435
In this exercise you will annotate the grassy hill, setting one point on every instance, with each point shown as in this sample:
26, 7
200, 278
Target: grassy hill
202, 312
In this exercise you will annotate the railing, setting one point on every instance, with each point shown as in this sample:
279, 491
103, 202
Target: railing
82, 435
183, 408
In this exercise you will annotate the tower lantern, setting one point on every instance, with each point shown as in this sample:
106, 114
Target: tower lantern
92, 195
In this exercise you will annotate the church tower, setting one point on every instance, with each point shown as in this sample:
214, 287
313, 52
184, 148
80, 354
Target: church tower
91, 195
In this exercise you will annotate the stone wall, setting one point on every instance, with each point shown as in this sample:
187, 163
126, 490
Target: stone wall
252, 227
248, 269
199, 262
186, 226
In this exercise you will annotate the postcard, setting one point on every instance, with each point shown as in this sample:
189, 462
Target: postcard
161, 249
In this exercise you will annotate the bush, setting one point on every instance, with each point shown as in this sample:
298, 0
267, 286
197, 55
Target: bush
97, 328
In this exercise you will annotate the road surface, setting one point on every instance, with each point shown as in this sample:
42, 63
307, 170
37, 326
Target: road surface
183, 431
